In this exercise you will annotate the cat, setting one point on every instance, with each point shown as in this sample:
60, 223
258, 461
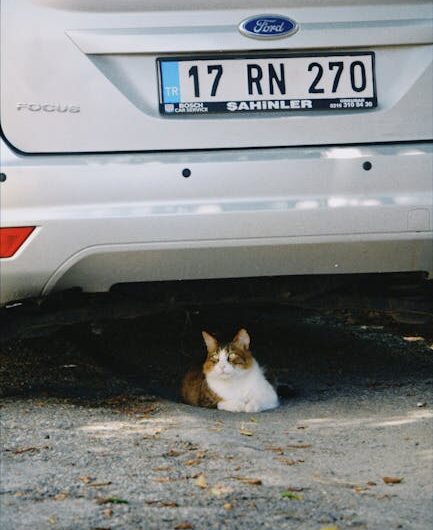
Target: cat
230, 378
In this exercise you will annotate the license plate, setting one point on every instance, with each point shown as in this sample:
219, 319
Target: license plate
283, 83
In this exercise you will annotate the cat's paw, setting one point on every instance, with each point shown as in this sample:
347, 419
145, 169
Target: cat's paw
231, 405
258, 406
252, 406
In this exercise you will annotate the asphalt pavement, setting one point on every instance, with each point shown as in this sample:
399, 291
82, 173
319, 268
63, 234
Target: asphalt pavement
94, 436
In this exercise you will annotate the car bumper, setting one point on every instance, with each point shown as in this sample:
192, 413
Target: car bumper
108, 219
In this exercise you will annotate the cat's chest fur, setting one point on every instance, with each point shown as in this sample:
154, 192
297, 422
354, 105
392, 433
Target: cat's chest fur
249, 386
249, 393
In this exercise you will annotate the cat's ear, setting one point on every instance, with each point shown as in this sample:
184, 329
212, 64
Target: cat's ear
211, 342
242, 339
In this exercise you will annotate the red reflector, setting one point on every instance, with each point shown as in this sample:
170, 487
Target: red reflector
12, 238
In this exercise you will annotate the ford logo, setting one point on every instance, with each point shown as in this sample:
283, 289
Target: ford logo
268, 27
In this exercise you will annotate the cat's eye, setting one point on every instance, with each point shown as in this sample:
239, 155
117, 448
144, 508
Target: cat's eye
214, 358
234, 357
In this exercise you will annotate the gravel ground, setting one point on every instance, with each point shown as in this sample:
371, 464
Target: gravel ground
94, 437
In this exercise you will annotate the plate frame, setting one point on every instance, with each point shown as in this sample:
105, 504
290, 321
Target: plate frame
262, 55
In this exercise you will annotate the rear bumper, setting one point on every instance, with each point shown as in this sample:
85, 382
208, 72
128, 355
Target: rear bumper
107, 219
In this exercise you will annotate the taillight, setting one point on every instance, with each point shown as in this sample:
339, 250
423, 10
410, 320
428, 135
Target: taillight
11, 239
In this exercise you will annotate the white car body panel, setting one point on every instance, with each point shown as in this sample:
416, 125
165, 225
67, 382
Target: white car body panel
91, 163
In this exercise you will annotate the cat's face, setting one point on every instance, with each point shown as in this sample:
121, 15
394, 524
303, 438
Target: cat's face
229, 361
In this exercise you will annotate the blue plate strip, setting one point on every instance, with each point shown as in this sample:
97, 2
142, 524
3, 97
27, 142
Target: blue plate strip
170, 82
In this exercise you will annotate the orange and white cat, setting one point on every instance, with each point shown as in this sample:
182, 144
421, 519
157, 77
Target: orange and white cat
230, 378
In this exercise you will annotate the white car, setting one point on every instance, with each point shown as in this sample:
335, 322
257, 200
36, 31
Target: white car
169, 140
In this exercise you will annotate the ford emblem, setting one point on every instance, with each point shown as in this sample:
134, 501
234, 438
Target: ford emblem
268, 27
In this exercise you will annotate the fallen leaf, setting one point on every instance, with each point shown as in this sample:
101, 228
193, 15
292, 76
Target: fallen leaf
247, 480
184, 526
90, 481
277, 450
192, 462
173, 452
290, 495
108, 512
413, 339
289, 461
162, 480
302, 427
53, 519
299, 446
165, 504
22, 450
99, 484
218, 490
228, 506
201, 481
86, 479
392, 480
245, 432
333, 527
198, 456
112, 500
371, 483
163, 468
294, 488
253, 419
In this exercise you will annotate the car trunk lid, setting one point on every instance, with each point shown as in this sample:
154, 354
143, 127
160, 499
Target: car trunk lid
78, 77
